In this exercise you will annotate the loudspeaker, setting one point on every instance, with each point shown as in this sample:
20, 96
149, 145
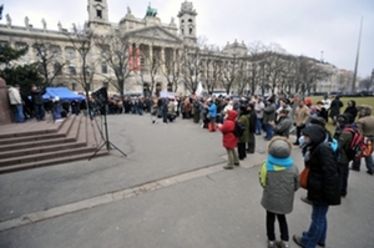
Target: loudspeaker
101, 97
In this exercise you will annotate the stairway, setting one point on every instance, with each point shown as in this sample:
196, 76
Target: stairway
32, 145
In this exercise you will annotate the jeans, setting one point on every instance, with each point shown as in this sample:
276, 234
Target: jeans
318, 228
258, 125
39, 111
269, 131
18, 113
283, 227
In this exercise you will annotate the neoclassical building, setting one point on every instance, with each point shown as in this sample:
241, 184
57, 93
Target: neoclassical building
149, 39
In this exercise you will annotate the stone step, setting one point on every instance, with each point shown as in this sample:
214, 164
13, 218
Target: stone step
45, 156
49, 162
24, 145
40, 149
72, 127
32, 138
30, 129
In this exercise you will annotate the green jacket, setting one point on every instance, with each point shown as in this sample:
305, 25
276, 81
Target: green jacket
344, 140
243, 119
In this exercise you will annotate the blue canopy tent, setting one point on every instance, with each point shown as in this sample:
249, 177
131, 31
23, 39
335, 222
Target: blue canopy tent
63, 93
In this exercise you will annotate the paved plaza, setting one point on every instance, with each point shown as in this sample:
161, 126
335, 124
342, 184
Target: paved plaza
171, 191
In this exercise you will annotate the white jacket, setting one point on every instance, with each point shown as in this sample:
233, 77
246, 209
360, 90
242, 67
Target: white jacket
14, 96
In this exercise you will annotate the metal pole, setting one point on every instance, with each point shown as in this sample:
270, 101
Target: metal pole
357, 57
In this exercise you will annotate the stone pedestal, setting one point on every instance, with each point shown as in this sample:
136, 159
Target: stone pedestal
5, 112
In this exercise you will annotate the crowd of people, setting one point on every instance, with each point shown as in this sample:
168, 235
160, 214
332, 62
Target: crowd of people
32, 105
326, 155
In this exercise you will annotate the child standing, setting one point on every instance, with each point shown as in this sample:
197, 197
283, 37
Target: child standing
229, 140
279, 178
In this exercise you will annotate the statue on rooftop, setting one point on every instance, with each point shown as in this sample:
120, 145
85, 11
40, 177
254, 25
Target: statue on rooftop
44, 23
8, 20
27, 22
59, 25
151, 11
75, 30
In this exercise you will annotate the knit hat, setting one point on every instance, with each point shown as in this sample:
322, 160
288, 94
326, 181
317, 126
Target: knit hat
279, 147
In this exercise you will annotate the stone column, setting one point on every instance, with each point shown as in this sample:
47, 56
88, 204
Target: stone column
5, 112
150, 58
163, 59
137, 58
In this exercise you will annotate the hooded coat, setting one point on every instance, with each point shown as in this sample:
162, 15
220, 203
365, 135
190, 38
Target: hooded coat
230, 141
323, 182
279, 178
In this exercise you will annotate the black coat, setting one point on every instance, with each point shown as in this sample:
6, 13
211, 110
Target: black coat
324, 181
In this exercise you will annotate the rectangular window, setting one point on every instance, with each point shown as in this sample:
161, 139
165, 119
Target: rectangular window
104, 68
72, 71
99, 13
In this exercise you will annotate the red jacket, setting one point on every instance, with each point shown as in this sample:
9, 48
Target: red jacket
227, 129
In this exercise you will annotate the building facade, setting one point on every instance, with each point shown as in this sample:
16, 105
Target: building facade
153, 56
148, 39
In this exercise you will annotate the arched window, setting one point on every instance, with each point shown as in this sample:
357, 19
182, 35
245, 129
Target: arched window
182, 31
190, 20
191, 30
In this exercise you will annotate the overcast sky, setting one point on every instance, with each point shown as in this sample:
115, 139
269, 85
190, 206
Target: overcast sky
300, 26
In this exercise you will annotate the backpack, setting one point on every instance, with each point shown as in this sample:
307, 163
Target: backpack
360, 145
239, 129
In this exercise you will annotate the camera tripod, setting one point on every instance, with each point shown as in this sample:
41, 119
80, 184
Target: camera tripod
106, 143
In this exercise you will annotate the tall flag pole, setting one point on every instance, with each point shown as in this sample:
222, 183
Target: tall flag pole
357, 57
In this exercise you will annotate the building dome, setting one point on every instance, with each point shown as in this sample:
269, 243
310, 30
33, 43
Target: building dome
236, 48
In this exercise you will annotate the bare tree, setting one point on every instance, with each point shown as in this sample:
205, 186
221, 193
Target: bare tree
173, 70
152, 67
115, 51
191, 68
82, 41
230, 73
212, 73
50, 63
366, 83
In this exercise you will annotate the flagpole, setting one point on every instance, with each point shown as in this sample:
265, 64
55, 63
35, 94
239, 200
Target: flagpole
357, 57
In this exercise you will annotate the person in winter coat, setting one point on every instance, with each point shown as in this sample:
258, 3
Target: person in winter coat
252, 117
335, 109
268, 117
279, 178
16, 104
323, 185
301, 116
243, 140
37, 101
344, 140
283, 125
212, 115
230, 141
259, 108
352, 110
365, 124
